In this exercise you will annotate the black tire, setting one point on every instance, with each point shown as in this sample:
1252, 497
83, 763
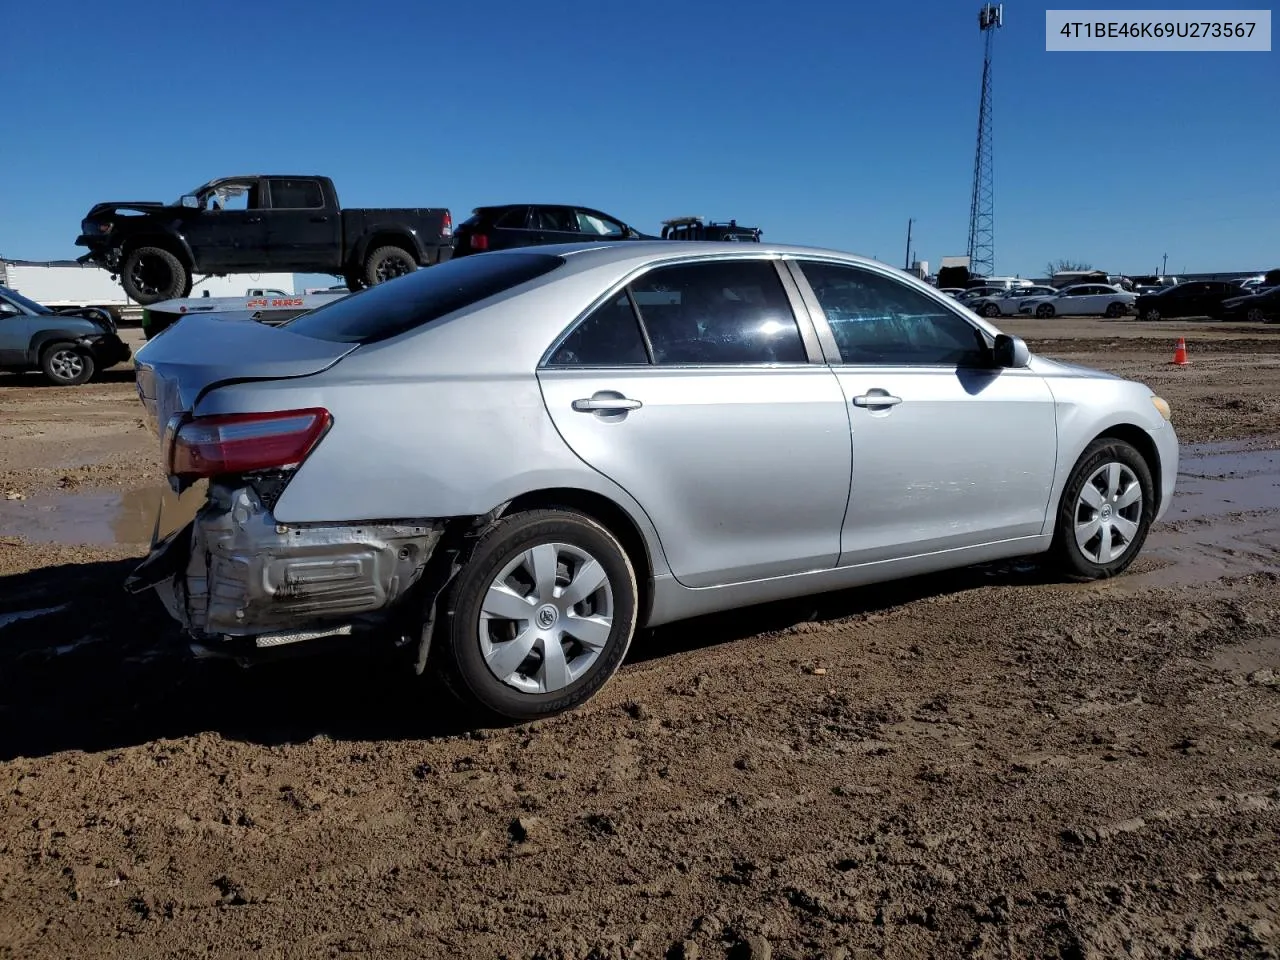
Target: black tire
1151, 315
387, 263
150, 275
1255, 315
990, 310
1065, 552
461, 659
1045, 311
66, 365
1115, 310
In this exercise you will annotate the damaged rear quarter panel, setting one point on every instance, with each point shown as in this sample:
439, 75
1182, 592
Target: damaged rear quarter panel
439, 448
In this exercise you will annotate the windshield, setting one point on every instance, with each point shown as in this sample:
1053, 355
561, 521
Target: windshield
389, 309
23, 302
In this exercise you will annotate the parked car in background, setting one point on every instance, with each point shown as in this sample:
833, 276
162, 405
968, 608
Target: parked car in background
1005, 303
1261, 307
619, 436
69, 348
508, 226
1001, 283
954, 293
258, 224
1194, 298
1081, 300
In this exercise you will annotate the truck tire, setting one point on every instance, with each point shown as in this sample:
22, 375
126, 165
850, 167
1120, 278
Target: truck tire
387, 263
151, 274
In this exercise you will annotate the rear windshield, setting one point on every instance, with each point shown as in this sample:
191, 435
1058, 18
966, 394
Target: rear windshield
389, 309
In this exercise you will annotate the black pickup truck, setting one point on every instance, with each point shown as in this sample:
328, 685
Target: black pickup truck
259, 224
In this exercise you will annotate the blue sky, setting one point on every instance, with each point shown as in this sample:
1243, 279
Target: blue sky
824, 123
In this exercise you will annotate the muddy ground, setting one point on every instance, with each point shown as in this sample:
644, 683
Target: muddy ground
982, 764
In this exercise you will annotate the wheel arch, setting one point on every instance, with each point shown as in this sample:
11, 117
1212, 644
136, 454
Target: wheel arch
165, 241
608, 514
386, 237
1141, 441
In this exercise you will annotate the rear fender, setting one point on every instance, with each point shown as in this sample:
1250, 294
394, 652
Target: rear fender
379, 235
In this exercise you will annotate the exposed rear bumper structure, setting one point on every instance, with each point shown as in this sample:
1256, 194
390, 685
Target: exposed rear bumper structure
235, 572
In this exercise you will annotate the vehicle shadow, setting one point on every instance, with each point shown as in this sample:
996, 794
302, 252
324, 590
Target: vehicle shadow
33, 378
90, 667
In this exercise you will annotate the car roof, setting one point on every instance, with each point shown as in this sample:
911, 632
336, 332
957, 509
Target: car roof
589, 254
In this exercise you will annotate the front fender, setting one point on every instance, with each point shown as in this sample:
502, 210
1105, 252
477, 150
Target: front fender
45, 337
169, 238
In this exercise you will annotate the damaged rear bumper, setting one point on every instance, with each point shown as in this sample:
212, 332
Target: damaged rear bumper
234, 572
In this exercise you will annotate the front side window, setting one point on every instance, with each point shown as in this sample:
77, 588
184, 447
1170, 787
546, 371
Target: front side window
594, 225
718, 312
879, 320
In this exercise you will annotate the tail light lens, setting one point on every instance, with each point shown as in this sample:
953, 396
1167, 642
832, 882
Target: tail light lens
244, 442
447, 229
479, 241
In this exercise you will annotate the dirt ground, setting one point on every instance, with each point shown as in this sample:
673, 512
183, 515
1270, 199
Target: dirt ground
983, 764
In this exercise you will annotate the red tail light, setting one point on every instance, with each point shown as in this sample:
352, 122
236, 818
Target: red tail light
479, 241
447, 229
243, 442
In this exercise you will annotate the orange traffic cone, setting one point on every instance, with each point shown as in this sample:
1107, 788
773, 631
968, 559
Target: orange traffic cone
1180, 353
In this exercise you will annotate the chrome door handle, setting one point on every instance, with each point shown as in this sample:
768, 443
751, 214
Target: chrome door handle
876, 400
606, 403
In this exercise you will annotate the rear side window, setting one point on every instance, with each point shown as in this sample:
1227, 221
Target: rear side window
296, 194
392, 308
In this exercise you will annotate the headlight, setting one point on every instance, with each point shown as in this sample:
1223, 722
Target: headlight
1162, 405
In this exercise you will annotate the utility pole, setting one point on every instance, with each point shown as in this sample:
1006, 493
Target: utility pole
907, 265
1164, 265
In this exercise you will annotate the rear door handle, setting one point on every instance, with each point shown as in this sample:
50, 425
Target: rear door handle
319, 219
876, 400
253, 220
597, 403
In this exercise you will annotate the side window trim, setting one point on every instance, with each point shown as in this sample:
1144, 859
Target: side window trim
827, 337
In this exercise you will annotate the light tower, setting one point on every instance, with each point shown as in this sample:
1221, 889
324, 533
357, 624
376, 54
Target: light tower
982, 247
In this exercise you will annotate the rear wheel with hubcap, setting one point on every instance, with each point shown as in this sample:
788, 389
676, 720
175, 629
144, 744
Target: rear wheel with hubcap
540, 616
1045, 311
1107, 507
1115, 310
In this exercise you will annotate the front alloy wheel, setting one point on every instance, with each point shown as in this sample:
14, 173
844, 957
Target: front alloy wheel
1108, 513
1106, 509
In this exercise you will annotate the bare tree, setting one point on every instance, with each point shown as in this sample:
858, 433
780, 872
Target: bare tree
1062, 266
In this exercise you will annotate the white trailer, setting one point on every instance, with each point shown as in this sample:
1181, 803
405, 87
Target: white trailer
66, 283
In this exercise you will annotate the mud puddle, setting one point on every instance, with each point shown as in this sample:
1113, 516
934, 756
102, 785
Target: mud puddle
107, 518
1224, 519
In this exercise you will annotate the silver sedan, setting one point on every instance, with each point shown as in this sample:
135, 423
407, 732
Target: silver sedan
510, 463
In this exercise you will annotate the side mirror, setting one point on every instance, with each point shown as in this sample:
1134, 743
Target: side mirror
1011, 351
191, 201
